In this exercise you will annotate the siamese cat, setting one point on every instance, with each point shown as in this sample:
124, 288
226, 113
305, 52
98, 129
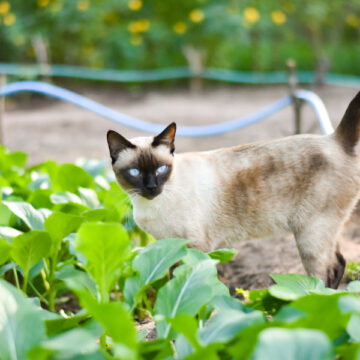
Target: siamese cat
304, 184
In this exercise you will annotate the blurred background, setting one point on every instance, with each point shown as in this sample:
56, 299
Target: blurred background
254, 35
186, 37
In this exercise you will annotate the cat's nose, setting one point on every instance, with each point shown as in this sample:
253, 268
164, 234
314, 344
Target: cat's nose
151, 183
151, 186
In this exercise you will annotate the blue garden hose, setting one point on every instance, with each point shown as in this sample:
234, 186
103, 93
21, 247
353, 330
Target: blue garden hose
193, 131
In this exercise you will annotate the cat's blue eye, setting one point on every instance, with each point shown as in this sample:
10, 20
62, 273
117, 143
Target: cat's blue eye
134, 172
162, 169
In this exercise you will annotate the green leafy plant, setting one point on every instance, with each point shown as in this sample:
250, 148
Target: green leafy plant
77, 281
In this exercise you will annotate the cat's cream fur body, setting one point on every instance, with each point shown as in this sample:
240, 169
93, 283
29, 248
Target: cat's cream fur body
274, 201
306, 185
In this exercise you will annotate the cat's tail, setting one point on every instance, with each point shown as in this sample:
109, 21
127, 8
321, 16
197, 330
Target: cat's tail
347, 133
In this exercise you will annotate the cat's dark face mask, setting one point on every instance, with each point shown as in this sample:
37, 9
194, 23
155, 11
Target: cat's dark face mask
146, 165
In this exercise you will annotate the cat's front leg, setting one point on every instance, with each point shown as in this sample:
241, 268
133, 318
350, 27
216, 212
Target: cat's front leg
320, 254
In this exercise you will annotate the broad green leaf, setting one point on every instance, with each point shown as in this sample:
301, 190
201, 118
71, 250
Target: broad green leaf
183, 348
59, 225
17, 159
223, 255
64, 198
187, 292
70, 177
39, 181
288, 314
242, 347
93, 166
29, 248
354, 286
115, 320
71, 208
106, 247
294, 286
89, 198
33, 218
152, 263
5, 249
188, 326
208, 353
226, 324
71, 240
102, 182
21, 324
5, 215
349, 304
193, 256
104, 215
60, 324
40, 198
322, 313
348, 351
297, 344
75, 279
155, 350
353, 328
6, 267
9, 233
77, 341
222, 302
117, 198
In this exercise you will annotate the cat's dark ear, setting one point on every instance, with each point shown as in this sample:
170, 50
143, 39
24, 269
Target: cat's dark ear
117, 143
166, 137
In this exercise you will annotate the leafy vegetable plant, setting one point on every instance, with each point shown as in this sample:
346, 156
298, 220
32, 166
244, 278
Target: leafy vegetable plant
78, 278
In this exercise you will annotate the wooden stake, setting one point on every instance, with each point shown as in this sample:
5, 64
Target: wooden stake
293, 83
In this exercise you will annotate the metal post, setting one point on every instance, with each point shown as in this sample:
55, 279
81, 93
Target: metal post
2, 108
293, 83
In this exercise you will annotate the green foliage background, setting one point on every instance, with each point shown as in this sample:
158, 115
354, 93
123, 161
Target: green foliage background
142, 34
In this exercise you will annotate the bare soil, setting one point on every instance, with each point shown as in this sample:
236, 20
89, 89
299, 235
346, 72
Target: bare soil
48, 129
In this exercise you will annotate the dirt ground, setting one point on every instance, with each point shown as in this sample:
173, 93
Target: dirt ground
48, 129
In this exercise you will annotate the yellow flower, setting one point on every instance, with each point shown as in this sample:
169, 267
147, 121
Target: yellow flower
352, 20
139, 26
43, 3
83, 5
4, 7
145, 24
136, 40
244, 293
251, 15
135, 5
9, 19
179, 27
197, 15
278, 17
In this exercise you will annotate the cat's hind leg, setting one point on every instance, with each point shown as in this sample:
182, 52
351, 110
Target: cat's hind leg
320, 253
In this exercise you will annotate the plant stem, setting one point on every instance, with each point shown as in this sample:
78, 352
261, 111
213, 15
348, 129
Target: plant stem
43, 276
52, 289
16, 278
26, 276
103, 341
147, 304
36, 291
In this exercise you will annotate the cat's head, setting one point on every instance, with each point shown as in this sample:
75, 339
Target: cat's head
143, 165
